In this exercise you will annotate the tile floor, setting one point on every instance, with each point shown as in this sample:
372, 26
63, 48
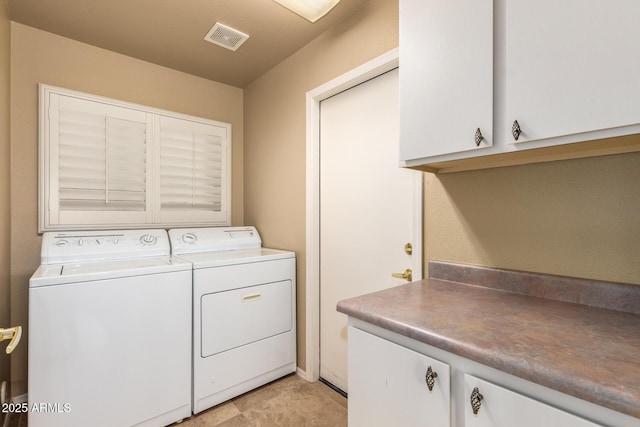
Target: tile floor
18, 420
288, 402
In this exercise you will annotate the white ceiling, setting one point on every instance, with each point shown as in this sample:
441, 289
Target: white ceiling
171, 32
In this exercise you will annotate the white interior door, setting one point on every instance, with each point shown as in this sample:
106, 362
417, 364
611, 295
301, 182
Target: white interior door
370, 208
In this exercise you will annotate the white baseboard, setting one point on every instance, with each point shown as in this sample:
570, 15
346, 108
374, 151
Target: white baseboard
302, 374
23, 398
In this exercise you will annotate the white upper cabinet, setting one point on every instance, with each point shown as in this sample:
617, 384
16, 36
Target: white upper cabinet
446, 76
573, 66
110, 164
565, 71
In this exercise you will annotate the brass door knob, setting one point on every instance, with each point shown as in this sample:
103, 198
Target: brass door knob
408, 249
407, 275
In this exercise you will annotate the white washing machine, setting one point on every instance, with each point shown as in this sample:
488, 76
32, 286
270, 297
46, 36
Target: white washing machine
109, 331
244, 316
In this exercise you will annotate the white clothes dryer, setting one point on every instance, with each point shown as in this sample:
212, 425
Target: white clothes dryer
244, 316
109, 331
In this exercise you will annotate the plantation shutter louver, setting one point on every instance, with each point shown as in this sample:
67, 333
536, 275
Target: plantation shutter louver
102, 162
97, 157
193, 169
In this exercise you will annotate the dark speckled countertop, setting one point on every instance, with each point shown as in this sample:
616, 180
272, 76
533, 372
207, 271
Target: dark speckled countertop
589, 352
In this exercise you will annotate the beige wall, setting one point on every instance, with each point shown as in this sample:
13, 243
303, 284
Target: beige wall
5, 295
275, 129
40, 57
576, 218
573, 217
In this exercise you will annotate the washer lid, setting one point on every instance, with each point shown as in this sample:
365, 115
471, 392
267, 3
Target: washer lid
74, 272
240, 256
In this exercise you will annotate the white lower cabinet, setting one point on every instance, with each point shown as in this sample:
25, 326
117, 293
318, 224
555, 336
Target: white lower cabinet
499, 407
388, 385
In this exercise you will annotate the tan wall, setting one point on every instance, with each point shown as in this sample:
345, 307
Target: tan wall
573, 217
275, 130
41, 57
576, 218
5, 295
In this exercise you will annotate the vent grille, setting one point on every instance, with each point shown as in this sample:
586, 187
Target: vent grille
226, 37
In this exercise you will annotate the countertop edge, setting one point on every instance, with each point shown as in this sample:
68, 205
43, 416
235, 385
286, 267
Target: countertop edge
543, 375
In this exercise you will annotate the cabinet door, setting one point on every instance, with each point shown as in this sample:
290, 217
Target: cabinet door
572, 67
446, 76
387, 385
500, 407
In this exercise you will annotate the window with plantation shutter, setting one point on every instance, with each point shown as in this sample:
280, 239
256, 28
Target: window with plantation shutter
110, 164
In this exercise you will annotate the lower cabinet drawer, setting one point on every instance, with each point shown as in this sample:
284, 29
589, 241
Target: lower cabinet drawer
495, 406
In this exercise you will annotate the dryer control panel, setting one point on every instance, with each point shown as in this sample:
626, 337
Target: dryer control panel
209, 239
59, 247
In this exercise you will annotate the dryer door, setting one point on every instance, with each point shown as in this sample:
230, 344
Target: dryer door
238, 317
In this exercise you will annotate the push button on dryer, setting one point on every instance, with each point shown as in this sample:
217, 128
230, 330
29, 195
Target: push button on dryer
189, 238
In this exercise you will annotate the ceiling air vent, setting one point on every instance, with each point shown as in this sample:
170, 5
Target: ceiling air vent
226, 36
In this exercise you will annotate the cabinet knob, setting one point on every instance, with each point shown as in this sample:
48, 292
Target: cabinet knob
478, 137
515, 130
430, 378
476, 400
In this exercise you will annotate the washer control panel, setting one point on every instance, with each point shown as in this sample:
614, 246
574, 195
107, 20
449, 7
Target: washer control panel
58, 247
209, 239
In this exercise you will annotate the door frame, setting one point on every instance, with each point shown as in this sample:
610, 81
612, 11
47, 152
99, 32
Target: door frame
367, 71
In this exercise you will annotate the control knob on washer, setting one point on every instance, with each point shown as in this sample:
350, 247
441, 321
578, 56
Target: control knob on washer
148, 239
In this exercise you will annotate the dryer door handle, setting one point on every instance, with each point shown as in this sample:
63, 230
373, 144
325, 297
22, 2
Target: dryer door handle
251, 297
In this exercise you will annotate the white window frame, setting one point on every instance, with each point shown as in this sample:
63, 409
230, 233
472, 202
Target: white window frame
49, 213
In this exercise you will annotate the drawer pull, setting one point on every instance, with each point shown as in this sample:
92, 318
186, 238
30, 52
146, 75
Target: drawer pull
430, 378
478, 137
476, 400
251, 297
515, 130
